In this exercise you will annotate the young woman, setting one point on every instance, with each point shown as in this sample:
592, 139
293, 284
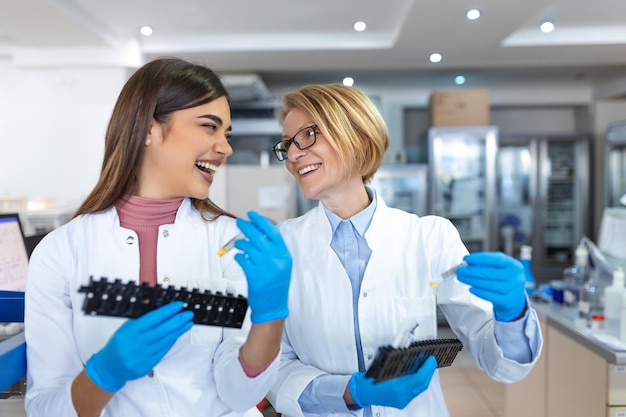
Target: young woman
149, 219
362, 275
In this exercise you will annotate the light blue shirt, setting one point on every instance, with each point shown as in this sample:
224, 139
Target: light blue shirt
324, 394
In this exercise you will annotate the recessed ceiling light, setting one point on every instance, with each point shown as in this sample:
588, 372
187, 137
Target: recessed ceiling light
360, 26
146, 30
473, 14
436, 57
547, 26
459, 80
348, 81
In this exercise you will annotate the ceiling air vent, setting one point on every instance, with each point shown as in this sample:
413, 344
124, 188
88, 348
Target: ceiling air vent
245, 87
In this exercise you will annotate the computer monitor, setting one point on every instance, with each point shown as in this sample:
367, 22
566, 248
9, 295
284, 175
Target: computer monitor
13, 253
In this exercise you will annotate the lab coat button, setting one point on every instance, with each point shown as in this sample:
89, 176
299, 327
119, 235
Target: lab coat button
365, 295
377, 414
166, 279
130, 240
369, 357
151, 374
166, 233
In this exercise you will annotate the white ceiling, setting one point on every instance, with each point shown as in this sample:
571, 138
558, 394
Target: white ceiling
290, 37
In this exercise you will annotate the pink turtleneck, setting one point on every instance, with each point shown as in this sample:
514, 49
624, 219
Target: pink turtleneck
144, 216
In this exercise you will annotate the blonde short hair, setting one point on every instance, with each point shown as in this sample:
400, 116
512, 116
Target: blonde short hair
349, 121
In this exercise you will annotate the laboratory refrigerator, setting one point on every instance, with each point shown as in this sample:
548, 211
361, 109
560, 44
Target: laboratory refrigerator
542, 199
463, 180
615, 145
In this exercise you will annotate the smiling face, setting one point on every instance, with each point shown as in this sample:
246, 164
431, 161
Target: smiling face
184, 153
317, 169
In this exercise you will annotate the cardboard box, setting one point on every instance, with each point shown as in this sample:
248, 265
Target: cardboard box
459, 108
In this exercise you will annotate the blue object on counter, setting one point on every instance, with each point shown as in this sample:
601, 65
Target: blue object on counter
543, 293
12, 360
13, 349
11, 306
558, 289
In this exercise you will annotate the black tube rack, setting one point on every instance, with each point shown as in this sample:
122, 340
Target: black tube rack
391, 362
127, 299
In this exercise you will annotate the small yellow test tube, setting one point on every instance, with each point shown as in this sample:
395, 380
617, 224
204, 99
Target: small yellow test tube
229, 245
447, 275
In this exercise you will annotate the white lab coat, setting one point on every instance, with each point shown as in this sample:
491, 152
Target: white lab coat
407, 251
200, 376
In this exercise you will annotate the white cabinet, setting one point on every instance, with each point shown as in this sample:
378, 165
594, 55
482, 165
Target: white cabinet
575, 377
528, 396
268, 190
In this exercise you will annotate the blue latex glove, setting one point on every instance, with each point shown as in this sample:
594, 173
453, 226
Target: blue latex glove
137, 346
267, 264
498, 278
397, 392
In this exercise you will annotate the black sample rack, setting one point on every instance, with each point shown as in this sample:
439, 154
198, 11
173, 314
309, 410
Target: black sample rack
127, 299
393, 362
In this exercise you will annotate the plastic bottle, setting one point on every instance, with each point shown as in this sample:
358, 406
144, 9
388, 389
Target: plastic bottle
613, 303
526, 258
597, 322
574, 278
591, 299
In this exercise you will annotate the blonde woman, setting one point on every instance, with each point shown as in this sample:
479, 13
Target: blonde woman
362, 272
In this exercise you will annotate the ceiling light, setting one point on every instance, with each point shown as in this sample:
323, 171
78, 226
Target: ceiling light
459, 80
360, 26
547, 26
146, 30
348, 81
435, 57
473, 14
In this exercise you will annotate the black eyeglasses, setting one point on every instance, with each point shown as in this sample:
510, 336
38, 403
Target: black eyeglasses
304, 138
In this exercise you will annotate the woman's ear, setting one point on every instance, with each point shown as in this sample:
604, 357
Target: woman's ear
155, 133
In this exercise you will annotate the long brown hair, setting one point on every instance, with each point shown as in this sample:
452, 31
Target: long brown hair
154, 91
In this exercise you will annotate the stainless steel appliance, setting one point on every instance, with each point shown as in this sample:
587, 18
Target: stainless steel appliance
462, 172
615, 164
543, 199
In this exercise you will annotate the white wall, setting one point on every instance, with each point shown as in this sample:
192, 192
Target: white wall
52, 125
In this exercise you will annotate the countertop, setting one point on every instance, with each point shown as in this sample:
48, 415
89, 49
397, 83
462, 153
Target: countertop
601, 343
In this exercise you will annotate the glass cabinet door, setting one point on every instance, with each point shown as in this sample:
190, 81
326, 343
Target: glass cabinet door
516, 192
542, 199
616, 166
462, 164
403, 186
564, 198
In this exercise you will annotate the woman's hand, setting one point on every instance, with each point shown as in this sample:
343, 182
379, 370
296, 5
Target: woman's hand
498, 278
137, 346
267, 265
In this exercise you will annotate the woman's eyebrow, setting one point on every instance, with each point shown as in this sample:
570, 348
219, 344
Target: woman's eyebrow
213, 117
216, 119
